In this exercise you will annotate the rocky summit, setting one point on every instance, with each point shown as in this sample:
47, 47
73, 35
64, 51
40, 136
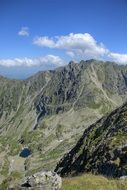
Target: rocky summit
102, 149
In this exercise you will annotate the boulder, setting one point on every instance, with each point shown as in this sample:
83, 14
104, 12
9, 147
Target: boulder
123, 177
44, 180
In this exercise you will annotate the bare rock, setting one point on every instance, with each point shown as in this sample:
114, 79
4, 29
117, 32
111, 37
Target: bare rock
40, 181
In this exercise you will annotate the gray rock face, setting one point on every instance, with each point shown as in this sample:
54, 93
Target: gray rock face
93, 84
41, 181
60, 90
123, 177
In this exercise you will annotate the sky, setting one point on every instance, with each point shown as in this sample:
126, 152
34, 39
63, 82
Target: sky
44, 34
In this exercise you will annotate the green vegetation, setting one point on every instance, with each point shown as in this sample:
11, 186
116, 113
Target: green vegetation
118, 140
59, 131
14, 148
10, 179
5, 183
93, 182
5, 168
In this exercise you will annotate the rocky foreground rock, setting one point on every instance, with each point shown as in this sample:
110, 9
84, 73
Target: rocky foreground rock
40, 181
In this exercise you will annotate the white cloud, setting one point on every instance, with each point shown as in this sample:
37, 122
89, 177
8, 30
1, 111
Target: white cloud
27, 62
70, 53
44, 41
24, 31
80, 46
120, 58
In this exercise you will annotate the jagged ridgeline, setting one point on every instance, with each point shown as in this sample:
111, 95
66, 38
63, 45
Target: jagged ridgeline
48, 112
102, 149
89, 84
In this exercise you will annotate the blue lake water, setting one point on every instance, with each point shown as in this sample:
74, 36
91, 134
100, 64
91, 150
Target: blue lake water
25, 153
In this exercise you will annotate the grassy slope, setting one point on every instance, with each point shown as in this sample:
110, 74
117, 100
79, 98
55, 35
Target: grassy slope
93, 182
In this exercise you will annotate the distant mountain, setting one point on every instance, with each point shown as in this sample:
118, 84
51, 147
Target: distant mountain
22, 72
49, 111
102, 149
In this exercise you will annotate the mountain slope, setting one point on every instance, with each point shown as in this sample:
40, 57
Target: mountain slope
101, 149
49, 111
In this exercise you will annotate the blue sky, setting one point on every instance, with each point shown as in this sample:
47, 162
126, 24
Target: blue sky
44, 34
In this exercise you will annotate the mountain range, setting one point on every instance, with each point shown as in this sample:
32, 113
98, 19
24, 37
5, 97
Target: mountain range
49, 112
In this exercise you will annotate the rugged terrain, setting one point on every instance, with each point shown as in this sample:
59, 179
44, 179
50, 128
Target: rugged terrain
102, 149
48, 112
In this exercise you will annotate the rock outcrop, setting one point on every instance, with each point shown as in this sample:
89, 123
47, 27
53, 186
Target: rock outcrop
40, 181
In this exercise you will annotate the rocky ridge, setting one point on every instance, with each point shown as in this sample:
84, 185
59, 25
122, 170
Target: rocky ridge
102, 149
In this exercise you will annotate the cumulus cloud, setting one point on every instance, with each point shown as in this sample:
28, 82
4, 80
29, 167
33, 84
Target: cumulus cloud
27, 62
24, 31
44, 41
120, 58
75, 44
80, 46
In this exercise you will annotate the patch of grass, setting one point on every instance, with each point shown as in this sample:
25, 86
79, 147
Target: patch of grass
93, 182
14, 148
16, 175
4, 185
118, 140
5, 168
11, 178
59, 130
